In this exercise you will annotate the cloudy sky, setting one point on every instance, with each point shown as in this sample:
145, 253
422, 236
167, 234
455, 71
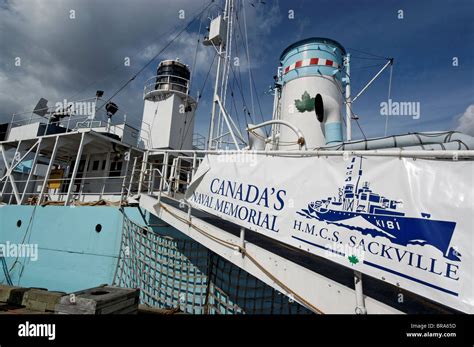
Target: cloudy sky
63, 57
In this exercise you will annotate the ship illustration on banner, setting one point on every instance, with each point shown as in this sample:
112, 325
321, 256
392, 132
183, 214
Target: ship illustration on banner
359, 208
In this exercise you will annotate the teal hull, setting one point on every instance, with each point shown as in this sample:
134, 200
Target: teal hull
178, 272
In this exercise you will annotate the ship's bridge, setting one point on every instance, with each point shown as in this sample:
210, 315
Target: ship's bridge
72, 117
172, 77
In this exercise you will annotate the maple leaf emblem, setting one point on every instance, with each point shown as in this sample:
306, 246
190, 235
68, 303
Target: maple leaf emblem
353, 259
305, 104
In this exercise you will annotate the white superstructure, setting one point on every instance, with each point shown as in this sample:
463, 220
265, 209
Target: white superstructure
168, 113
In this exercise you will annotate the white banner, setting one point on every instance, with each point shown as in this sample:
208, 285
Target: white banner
409, 222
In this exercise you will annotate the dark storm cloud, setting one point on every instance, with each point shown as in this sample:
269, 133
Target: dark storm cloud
61, 55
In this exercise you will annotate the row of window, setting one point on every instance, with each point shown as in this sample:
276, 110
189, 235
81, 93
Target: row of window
115, 167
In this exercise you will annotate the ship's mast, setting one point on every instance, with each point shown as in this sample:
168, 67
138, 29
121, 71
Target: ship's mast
220, 52
216, 126
348, 98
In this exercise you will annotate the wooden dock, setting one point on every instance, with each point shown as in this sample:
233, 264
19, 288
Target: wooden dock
98, 301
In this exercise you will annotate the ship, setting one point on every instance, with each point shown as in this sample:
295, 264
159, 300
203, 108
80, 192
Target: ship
103, 195
383, 214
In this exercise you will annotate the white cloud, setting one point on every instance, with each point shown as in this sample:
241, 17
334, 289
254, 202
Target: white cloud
466, 121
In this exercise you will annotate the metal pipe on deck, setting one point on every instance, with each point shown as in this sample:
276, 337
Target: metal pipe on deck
226, 119
390, 62
360, 302
76, 168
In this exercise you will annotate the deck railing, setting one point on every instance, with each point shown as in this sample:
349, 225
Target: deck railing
169, 173
166, 83
85, 118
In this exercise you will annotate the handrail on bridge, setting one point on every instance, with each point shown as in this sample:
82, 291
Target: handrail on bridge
164, 83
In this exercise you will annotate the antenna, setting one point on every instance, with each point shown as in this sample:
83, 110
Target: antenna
41, 107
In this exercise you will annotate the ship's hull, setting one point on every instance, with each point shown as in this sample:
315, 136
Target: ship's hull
74, 253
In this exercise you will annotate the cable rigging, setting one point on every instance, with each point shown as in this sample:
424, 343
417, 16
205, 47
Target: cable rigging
157, 54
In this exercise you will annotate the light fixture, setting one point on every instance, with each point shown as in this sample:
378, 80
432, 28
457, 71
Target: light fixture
111, 109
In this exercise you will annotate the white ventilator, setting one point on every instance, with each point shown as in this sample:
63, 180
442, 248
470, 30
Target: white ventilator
311, 92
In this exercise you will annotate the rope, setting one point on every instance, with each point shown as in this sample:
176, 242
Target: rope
367, 53
248, 55
199, 98
27, 233
245, 253
239, 86
365, 67
5, 271
389, 95
239, 80
234, 104
157, 54
198, 41
258, 103
107, 75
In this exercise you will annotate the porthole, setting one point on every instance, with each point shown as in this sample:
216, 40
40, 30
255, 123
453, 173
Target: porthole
98, 228
18, 223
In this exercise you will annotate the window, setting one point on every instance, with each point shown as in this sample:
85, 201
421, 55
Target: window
115, 168
95, 165
104, 162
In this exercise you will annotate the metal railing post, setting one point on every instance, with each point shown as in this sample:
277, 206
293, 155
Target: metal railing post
152, 172
68, 122
106, 172
177, 175
84, 174
360, 302
127, 156
142, 171
50, 166
75, 170
193, 171
172, 174
134, 166
10, 175
150, 180
32, 170
47, 126
242, 238
163, 176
